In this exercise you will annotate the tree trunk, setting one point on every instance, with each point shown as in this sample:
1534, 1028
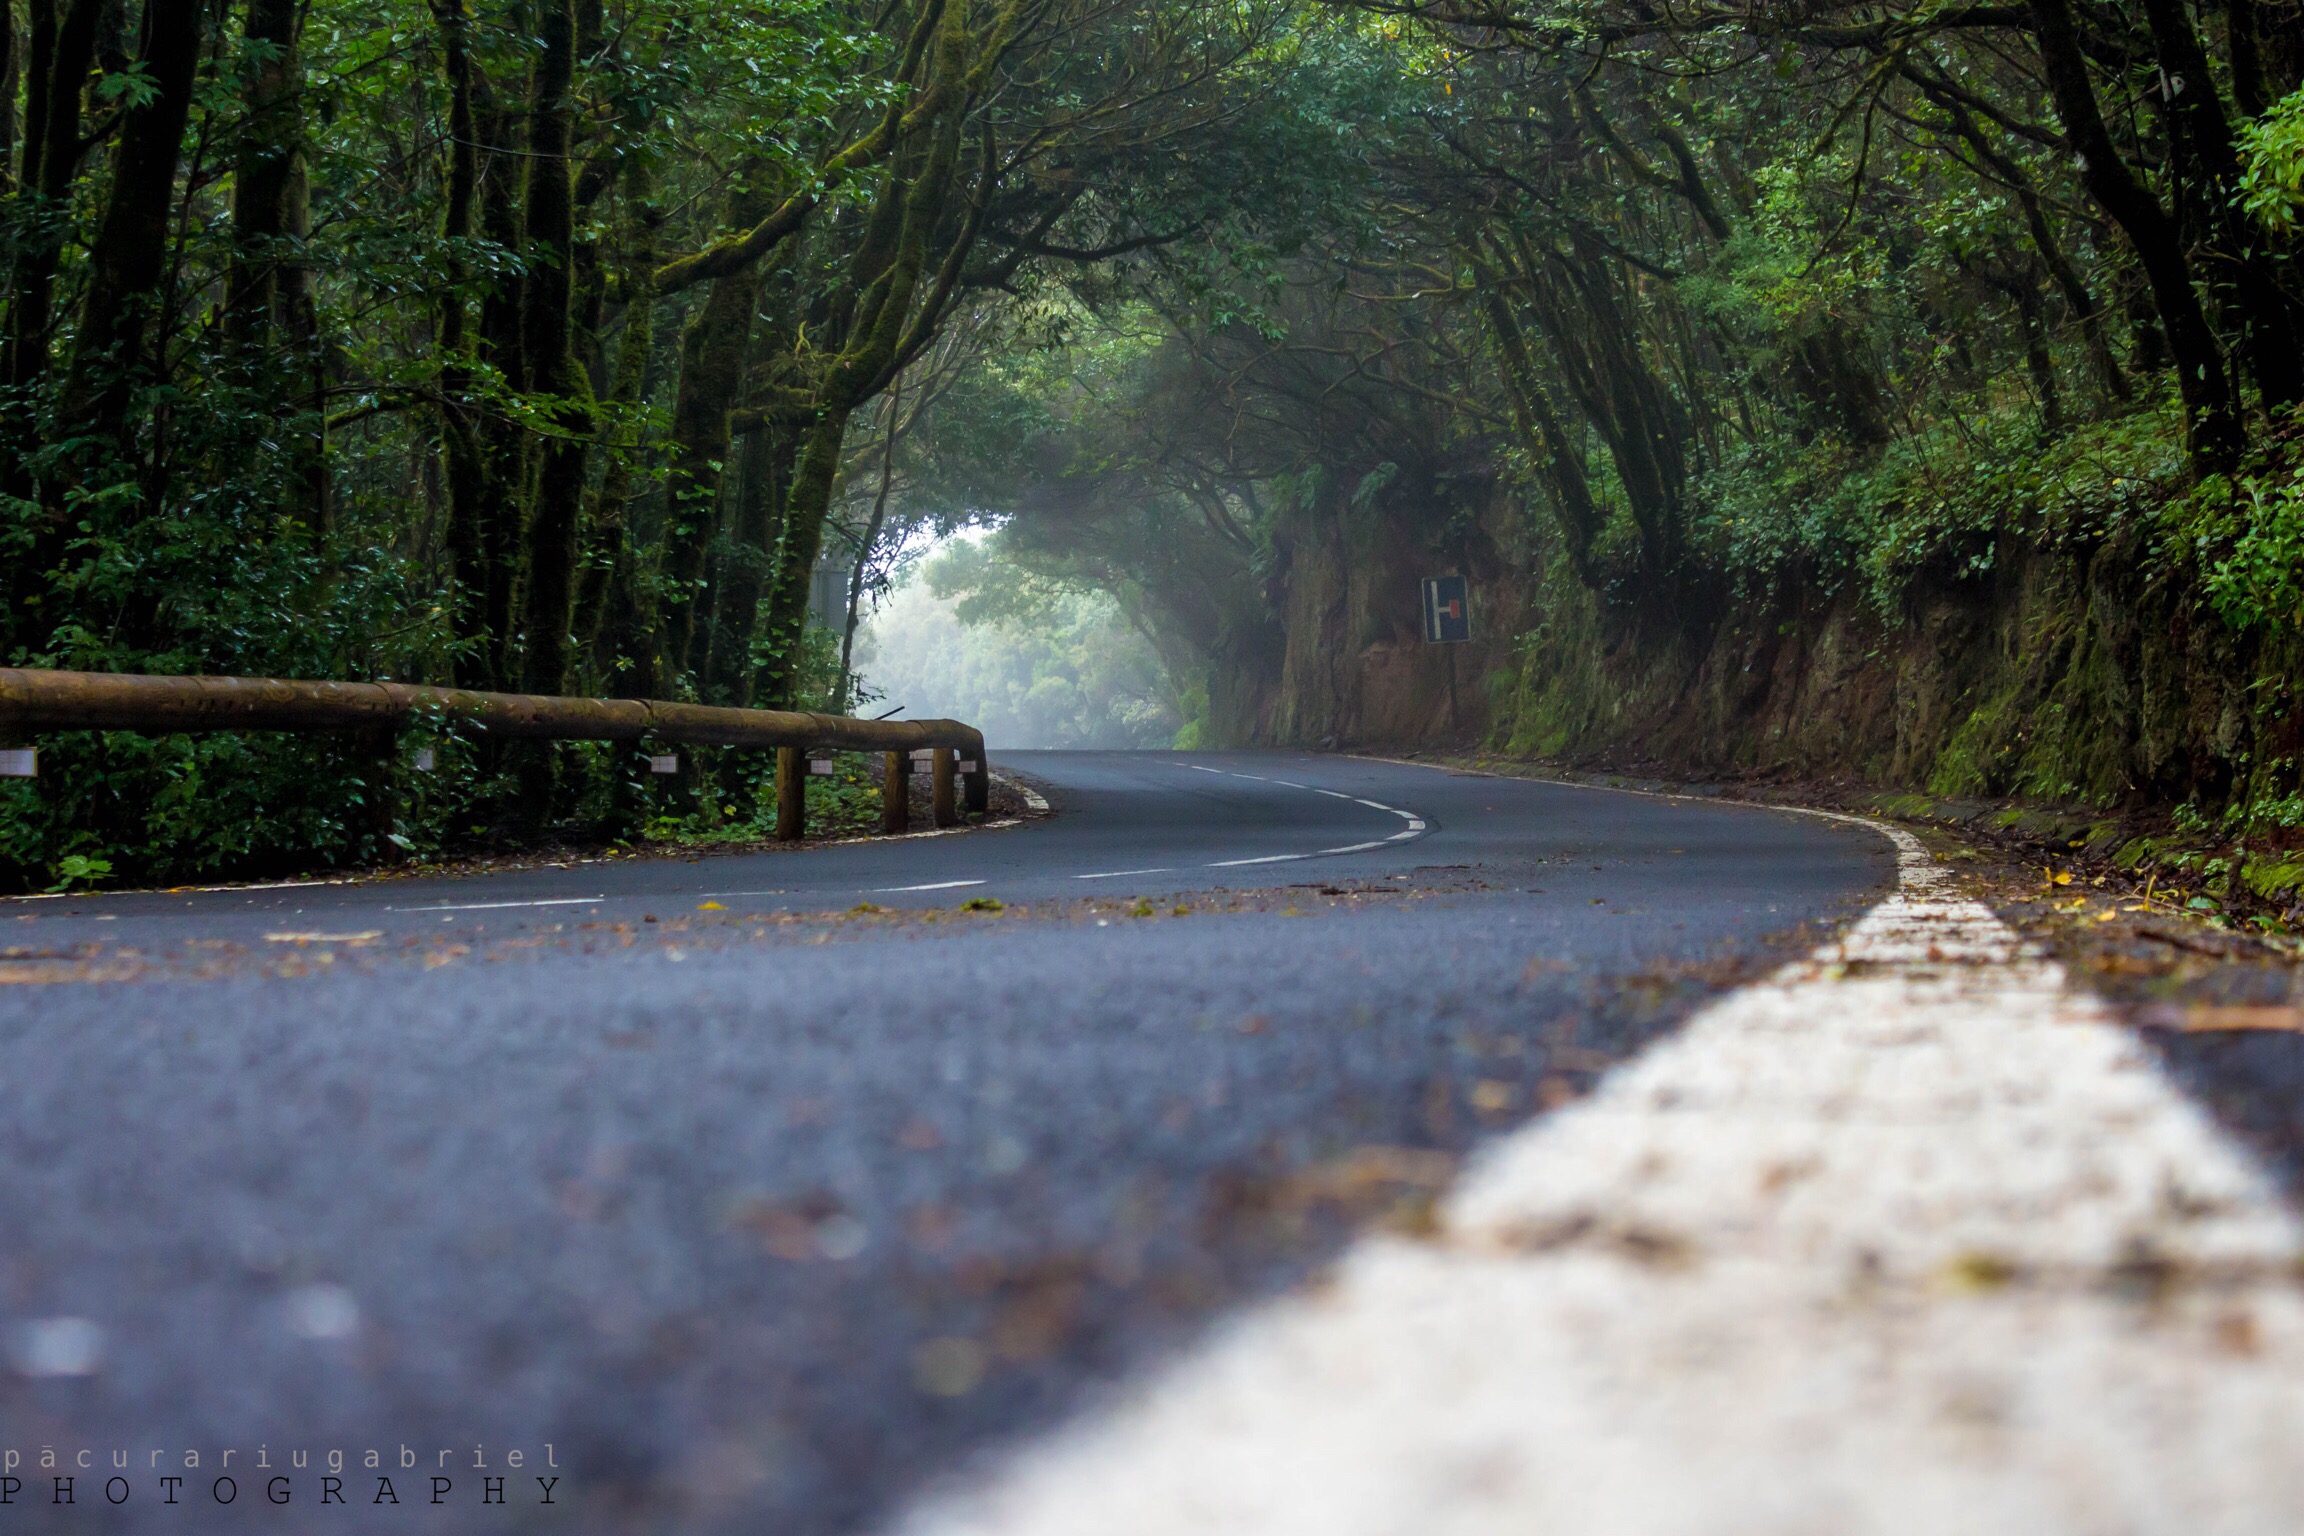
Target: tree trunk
553, 523
269, 147
812, 481
129, 257
465, 466
864, 547
63, 44
8, 83
2269, 341
502, 443
1580, 519
2068, 280
2212, 415
886, 277
712, 356
607, 549
747, 557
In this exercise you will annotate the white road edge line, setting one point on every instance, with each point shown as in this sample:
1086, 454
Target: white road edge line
494, 906
1033, 799
1907, 1237
1115, 874
933, 885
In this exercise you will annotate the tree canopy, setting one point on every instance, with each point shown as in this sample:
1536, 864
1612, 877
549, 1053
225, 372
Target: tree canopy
567, 345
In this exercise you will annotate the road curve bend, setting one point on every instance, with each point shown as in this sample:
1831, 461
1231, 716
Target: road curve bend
753, 1193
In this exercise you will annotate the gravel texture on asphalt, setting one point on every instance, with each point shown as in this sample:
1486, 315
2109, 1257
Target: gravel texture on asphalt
762, 1215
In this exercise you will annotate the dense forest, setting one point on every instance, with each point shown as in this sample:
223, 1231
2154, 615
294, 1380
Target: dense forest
1906, 391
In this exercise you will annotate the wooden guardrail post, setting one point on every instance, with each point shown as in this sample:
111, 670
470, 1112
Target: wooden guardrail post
896, 793
942, 784
791, 794
377, 748
976, 780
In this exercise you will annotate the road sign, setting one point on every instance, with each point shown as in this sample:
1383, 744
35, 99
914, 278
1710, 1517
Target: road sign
1447, 609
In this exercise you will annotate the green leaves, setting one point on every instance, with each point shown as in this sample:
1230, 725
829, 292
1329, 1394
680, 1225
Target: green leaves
75, 870
2272, 166
130, 86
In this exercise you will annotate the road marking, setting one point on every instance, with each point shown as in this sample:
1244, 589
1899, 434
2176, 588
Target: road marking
1416, 826
1905, 1238
933, 885
1033, 799
1114, 874
494, 906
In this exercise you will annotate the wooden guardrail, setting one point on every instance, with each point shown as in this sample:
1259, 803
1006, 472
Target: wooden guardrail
32, 701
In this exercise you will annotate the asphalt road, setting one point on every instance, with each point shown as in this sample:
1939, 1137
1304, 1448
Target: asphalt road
734, 1208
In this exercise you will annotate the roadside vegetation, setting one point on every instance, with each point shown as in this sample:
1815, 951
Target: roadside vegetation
1905, 393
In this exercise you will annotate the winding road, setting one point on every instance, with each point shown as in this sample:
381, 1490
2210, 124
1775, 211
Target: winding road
755, 1193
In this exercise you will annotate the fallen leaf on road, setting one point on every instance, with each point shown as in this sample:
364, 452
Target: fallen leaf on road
14, 972
2206, 1019
1979, 1271
2219, 1018
2134, 965
1555, 1091
950, 1367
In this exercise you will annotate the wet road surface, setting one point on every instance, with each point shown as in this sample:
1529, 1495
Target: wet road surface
733, 1208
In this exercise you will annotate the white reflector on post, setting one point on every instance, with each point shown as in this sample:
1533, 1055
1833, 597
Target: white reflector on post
668, 763
820, 766
19, 762
426, 762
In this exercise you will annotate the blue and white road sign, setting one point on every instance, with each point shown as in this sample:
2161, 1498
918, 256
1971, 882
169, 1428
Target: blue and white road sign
1447, 609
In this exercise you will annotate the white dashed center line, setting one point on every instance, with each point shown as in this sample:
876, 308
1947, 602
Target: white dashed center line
496, 906
1416, 826
933, 885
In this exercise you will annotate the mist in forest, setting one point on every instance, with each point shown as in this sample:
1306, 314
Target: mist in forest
1065, 669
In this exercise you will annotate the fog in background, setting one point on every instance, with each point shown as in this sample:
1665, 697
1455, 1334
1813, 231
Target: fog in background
1069, 671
